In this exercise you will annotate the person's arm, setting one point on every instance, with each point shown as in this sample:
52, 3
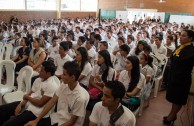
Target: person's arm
15, 57
92, 83
30, 63
40, 60
115, 52
46, 109
71, 122
81, 77
92, 124
37, 102
134, 92
24, 57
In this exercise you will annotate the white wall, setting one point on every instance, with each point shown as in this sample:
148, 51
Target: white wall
182, 19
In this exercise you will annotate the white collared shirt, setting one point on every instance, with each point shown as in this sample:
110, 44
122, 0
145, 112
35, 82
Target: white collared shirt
86, 72
70, 102
60, 62
100, 116
161, 50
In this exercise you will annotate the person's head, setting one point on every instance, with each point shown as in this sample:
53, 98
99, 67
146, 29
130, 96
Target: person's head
62, 35
24, 42
96, 31
130, 38
104, 57
169, 39
55, 40
71, 72
113, 92
109, 34
17, 36
36, 43
147, 49
81, 56
121, 41
139, 36
158, 40
63, 48
77, 29
89, 44
81, 40
124, 50
103, 45
47, 70
97, 37
132, 66
152, 39
145, 59
88, 31
187, 36
145, 34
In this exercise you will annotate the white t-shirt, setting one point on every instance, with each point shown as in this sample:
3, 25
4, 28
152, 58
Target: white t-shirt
60, 62
70, 102
100, 116
40, 88
161, 50
125, 79
92, 54
86, 72
53, 51
147, 71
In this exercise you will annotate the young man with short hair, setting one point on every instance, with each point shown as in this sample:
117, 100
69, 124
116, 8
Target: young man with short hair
42, 91
110, 112
72, 100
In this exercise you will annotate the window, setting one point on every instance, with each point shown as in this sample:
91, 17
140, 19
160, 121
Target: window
41, 4
12, 4
89, 5
70, 5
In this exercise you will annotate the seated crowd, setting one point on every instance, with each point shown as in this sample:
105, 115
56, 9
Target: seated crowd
102, 69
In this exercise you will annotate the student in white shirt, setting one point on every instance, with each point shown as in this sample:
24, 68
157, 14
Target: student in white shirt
77, 33
159, 48
53, 50
91, 50
116, 49
130, 41
104, 112
72, 100
169, 46
34, 101
61, 58
80, 42
133, 81
86, 68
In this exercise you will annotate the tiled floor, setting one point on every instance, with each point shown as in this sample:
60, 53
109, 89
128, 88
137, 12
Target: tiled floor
159, 107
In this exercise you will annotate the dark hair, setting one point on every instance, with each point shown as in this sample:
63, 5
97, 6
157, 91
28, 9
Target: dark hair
137, 50
131, 37
97, 37
170, 37
135, 72
82, 38
106, 55
72, 68
125, 48
147, 48
84, 55
105, 43
49, 66
122, 39
149, 59
147, 34
26, 41
64, 45
55, 38
90, 41
117, 89
70, 44
190, 34
175, 40
18, 34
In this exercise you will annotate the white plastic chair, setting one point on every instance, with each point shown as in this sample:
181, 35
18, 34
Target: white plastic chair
1, 51
10, 72
24, 86
6, 49
163, 60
